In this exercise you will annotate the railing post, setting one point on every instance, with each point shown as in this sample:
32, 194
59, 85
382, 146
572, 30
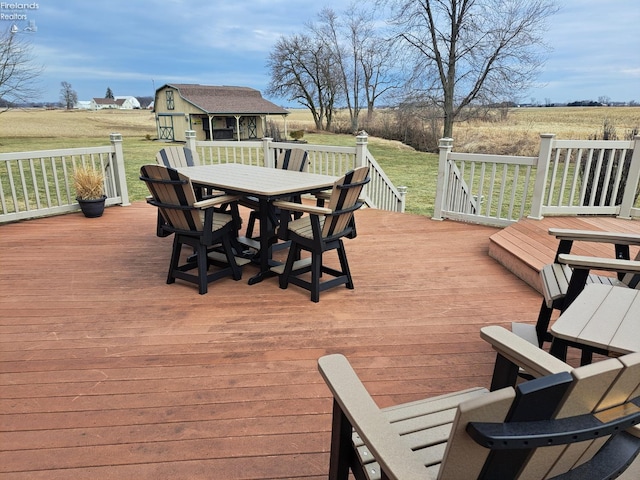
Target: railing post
445, 146
190, 136
268, 154
361, 148
402, 190
633, 181
542, 173
118, 167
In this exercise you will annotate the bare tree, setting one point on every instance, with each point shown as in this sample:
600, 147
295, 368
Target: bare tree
363, 58
381, 68
301, 70
341, 60
345, 58
18, 73
472, 50
68, 95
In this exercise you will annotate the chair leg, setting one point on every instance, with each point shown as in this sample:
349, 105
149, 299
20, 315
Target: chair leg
341, 446
175, 259
294, 252
228, 251
203, 267
542, 325
316, 273
342, 255
251, 224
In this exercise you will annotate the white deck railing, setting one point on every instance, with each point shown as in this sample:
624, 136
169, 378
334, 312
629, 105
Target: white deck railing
379, 193
568, 177
39, 183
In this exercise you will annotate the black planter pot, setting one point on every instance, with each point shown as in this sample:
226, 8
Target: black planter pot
92, 208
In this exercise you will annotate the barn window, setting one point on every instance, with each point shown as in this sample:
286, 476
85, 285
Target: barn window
170, 103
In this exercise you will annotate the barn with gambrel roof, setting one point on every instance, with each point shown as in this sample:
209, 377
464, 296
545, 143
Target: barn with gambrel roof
213, 112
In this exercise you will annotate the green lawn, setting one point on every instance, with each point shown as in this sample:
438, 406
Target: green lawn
418, 171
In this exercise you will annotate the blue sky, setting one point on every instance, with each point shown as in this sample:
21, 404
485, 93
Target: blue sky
132, 46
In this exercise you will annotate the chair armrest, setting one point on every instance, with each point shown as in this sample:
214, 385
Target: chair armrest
618, 238
559, 431
597, 263
522, 353
300, 207
364, 415
212, 202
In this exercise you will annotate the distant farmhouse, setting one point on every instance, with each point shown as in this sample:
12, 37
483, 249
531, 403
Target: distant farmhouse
122, 103
213, 112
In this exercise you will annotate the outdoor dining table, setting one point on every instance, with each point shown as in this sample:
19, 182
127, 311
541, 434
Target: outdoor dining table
265, 184
602, 319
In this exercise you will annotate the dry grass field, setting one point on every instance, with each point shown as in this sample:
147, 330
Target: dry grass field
85, 124
521, 127
519, 133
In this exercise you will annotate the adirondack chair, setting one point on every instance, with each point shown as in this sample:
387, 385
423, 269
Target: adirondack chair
294, 159
194, 223
320, 231
566, 424
560, 288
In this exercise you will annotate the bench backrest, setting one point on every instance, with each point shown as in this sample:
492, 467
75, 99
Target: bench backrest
173, 194
175, 157
294, 159
344, 201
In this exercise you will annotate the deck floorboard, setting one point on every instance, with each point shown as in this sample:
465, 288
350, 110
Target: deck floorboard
108, 372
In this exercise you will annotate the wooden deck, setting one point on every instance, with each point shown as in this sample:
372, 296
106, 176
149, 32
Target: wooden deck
109, 373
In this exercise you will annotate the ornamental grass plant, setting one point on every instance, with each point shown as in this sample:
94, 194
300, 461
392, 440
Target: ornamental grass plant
89, 183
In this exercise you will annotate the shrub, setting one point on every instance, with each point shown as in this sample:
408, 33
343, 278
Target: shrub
296, 134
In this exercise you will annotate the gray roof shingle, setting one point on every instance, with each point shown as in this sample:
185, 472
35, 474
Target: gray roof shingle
227, 100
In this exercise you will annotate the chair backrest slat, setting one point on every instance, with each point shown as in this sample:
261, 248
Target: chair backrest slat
174, 196
464, 458
294, 159
344, 200
175, 157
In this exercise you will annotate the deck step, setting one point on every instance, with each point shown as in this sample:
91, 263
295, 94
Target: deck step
524, 248
514, 259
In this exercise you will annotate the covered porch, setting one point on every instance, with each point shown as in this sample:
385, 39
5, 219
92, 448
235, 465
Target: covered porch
107, 372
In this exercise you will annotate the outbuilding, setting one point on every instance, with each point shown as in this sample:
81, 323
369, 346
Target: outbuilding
213, 112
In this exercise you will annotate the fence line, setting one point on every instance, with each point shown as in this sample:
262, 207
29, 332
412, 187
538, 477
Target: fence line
568, 177
39, 183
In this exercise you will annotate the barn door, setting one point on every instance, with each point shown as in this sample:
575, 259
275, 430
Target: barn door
251, 127
165, 127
